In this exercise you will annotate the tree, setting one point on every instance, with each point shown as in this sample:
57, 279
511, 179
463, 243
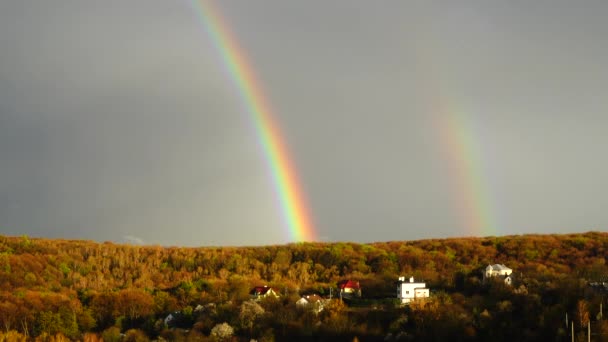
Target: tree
12, 336
61, 322
582, 314
112, 334
85, 320
249, 313
48, 322
135, 335
222, 331
334, 317
102, 307
7, 315
91, 337
163, 303
603, 330
134, 304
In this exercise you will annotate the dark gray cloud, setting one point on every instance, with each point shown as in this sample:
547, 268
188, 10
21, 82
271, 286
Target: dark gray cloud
118, 121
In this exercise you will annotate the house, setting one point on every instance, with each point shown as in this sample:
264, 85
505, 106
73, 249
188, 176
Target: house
174, 319
599, 286
265, 291
202, 308
313, 301
498, 270
170, 317
349, 289
410, 290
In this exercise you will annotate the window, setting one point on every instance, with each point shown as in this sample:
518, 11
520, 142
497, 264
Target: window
407, 292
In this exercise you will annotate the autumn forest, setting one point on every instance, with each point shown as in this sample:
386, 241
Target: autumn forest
59, 290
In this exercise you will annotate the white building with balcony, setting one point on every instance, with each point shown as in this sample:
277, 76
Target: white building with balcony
410, 290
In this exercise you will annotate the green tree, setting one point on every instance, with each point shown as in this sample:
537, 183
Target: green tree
48, 322
112, 334
52, 323
85, 319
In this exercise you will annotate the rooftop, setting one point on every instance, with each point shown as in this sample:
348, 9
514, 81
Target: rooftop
497, 267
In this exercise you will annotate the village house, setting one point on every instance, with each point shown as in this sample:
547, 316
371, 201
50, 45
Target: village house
599, 286
349, 289
313, 301
260, 292
498, 270
410, 290
171, 317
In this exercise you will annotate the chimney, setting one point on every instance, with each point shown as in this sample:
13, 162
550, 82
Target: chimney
411, 279
401, 278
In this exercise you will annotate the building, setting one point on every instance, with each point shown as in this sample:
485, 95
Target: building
260, 292
498, 270
410, 290
349, 289
313, 301
599, 286
171, 317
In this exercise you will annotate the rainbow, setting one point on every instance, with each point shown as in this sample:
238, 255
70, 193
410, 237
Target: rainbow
241, 73
459, 141
464, 155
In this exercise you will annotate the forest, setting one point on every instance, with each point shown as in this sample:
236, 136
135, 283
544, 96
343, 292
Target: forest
61, 290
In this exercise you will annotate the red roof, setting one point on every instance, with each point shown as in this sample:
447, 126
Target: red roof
259, 290
350, 284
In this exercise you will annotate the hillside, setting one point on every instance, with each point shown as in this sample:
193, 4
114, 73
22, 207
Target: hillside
60, 287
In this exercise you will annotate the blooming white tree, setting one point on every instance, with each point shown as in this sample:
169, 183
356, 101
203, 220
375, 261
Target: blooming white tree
250, 311
222, 331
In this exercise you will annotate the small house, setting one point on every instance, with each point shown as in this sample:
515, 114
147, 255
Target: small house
498, 270
349, 289
313, 301
260, 292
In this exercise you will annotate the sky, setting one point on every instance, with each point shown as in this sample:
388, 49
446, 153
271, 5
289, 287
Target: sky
404, 120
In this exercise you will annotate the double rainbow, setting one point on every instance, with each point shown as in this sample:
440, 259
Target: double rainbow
250, 91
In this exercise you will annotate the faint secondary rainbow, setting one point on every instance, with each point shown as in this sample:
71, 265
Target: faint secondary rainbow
458, 138
241, 73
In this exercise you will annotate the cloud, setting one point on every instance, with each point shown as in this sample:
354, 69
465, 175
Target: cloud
134, 240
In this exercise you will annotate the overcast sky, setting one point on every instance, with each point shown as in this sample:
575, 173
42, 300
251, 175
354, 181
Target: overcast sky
118, 121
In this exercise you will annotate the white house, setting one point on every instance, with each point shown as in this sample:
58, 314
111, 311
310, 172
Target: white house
313, 301
498, 270
169, 318
407, 291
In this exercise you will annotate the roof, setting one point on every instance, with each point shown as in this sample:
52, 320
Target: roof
410, 280
349, 284
311, 298
497, 267
260, 290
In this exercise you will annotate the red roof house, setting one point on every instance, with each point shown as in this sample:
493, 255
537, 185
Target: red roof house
349, 288
262, 292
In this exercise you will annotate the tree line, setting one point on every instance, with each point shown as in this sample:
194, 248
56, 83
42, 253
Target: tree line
83, 290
